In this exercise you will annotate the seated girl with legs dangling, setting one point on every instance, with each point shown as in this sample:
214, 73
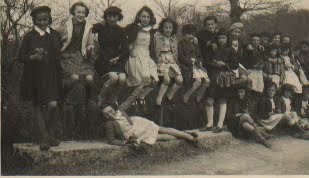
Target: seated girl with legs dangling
167, 58
113, 53
191, 63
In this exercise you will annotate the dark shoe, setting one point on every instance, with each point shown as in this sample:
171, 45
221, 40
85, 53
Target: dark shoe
193, 134
194, 142
218, 130
44, 145
203, 129
267, 144
53, 142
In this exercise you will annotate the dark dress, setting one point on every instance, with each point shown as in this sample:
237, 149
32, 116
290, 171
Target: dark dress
203, 38
229, 56
41, 81
112, 43
236, 106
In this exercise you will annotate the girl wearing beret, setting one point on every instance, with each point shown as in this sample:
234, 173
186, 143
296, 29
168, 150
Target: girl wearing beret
41, 81
191, 63
167, 58
113, 52
140, 67
77, 47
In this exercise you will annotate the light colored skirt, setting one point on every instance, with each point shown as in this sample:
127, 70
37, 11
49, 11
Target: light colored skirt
274, 120
199, 72
276, 79
257, 82
167, 64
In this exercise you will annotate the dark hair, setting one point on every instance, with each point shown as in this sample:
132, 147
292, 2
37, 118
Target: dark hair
304, 43
271, 47
286, 35
147, 9
252, 35
72, 9
269, 84
265, 34
285, 47
113, 10
275, 34
189, 28
41, 9
168, 20
210, 17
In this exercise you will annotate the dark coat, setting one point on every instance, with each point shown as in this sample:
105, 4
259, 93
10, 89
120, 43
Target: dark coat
252, 59
264, 107
203, 37
297, 107
132, 31
236, 106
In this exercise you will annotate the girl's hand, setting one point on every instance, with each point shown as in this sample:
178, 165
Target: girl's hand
36, 57
214, 46
249, 47
114, 60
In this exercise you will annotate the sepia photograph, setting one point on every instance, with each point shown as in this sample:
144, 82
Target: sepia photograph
154, 87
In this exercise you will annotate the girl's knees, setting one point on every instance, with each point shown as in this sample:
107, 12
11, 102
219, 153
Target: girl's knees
209, 102
52, 105
206, 81
289, 119
179, 80
122, 78
113, 77
222, 101
89, 79
246, 118
75, 78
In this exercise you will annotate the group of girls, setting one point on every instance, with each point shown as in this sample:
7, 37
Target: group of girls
216, 61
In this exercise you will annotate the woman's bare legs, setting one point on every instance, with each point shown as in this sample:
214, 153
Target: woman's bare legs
163, 88
165, 137
175, 133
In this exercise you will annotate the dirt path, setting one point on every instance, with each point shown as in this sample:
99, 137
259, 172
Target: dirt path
288, 156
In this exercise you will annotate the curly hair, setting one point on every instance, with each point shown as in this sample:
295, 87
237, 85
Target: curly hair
146, 9
210, 17
72, 9
168, 20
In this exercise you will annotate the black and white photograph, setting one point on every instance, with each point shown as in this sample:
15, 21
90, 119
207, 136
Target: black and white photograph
154, 87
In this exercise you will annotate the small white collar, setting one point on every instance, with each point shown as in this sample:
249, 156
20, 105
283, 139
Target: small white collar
40, 31
148, 28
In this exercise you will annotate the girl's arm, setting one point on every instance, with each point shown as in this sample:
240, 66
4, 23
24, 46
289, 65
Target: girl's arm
131, 99
182, 55
24, 52
124, 54
90, 42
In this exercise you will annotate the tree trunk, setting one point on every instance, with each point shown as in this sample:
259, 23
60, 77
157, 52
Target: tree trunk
236, 11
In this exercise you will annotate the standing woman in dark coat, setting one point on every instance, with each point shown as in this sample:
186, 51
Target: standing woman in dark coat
141, 67
41, 82
113, 51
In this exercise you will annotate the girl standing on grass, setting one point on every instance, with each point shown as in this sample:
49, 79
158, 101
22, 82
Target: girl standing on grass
41, 81
167, 58
77, 48
113, 52
140, 67
191, 63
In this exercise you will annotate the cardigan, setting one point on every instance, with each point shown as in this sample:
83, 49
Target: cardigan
203, 37
264, 107
159, 44
66, 33
236, 106
186, 51
132, 32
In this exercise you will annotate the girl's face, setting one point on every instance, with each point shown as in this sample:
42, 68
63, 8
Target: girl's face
271, 91
286, 40
287, 93
222, 39
235, 44
265, 40
109, 112
236, 33
112, 19
285, 52
189, 36
79, 13
304, 48
144, 18
255, 41
273, 52
167, 29
211, 25
42, 20
276, 39
241, 93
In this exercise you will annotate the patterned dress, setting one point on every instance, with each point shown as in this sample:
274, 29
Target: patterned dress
140, 67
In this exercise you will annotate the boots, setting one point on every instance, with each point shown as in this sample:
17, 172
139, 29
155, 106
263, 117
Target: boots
201, 93
172, 92
162, 91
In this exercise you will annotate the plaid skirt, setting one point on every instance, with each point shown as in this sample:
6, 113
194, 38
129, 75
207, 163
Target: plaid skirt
75, 63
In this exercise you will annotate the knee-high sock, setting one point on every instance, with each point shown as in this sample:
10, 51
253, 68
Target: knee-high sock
187, 95
162, 91
222, 113
210, 116
146, 91
173, 90
201, 92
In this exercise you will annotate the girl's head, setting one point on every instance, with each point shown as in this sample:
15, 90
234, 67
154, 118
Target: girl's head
304, 46
284, 49
236, 30
265, 36
305, 95
210, 23
241, 91
112, 15
286, 39
41, 17
79, 11
108, 110
255, 39
222, 37
271, 89
273, 50
287, 90
168, 27
189, 31
276, 38
145, 17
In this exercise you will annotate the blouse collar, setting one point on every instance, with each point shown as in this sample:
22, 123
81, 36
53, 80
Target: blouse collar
145, 29
40, 31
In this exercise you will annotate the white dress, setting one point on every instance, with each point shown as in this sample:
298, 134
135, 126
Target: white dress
141, 67
143, 129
